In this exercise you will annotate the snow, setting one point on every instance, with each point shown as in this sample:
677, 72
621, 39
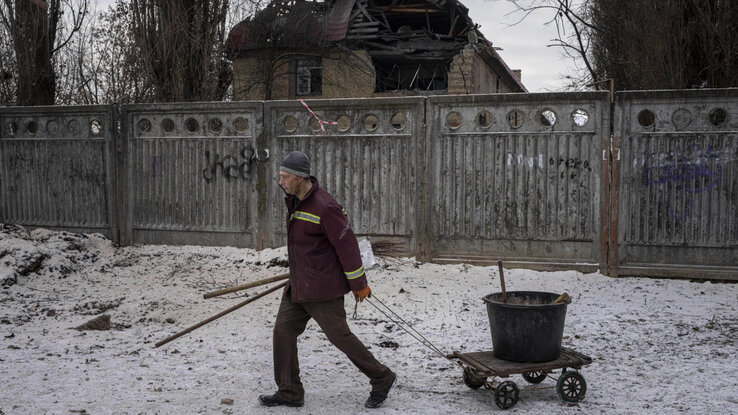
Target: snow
658, 345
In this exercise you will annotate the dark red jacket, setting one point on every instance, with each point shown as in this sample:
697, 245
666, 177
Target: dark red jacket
323, 253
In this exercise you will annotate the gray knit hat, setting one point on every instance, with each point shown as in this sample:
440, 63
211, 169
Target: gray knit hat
296, 163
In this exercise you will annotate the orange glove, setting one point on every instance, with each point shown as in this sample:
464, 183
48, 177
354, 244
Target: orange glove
362, 293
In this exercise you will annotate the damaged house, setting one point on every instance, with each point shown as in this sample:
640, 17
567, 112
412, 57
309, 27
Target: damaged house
364, 48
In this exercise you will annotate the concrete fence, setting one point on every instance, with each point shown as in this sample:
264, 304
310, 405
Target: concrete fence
644, 186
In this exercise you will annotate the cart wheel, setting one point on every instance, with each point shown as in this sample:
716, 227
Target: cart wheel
472, 380
534, 377
571, 386
506, 394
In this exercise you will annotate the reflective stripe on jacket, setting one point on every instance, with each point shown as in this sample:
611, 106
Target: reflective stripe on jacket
325, 262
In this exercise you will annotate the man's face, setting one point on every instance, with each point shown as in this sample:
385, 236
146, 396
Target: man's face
289, 182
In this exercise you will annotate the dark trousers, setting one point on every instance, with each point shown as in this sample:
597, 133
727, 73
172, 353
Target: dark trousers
331, 317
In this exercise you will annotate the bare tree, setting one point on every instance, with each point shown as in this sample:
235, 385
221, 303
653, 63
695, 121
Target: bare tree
7, 68
181, 44
38, 32
646, 44
103, 65
666, 44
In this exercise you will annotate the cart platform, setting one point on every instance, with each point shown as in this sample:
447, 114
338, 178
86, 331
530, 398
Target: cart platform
486, 364
479, 366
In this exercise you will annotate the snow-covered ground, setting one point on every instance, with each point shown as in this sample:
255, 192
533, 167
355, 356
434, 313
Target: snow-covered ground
658, 345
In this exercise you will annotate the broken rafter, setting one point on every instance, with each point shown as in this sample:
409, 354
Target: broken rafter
404, 6
453, 25
365, 24
385, 47
362, 6
386, 22
363, 30
403, 10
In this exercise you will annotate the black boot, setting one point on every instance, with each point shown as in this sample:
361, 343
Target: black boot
274, 400
376, 398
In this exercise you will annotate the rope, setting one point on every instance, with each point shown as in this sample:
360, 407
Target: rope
320, 122
402, 324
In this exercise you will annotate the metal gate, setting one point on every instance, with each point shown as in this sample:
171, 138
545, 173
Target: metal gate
676, 166
57, 168
367, 160
517, 177
191, 173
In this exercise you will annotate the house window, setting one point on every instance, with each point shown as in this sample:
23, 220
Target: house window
309, 76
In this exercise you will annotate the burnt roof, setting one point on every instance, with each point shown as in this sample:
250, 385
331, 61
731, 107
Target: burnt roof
388, 29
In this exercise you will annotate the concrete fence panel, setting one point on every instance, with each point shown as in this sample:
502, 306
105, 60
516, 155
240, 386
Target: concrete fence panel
518, 177
367, 160
677, 183
191, 173
57, 168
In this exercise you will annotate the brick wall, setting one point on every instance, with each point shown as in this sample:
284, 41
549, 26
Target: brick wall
469, 74
348, 75
251, 75
345, 75
459, 75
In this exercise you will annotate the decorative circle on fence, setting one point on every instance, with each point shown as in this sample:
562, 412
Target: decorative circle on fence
167, 124
215, 124
11, 128
52, 127
547, 118
485, 119
398, 121
681, 118
32, 127
290, 123
646, 118
96, 128
515, 118
314, 124
371, 122
144, 125
344, 123
453, 120
192, 125
580, 117
241, 124
73, 126
717, 117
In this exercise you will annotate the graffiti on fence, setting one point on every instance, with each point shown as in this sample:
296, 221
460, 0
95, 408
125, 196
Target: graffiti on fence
685, 172
694, 171
523, 160
229, 166
573, 167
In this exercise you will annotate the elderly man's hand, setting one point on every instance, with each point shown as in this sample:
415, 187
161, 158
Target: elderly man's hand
363, 293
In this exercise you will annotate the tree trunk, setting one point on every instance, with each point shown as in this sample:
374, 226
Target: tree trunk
36, 78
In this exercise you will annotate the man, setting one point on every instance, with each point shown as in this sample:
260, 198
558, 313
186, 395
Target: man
325, 264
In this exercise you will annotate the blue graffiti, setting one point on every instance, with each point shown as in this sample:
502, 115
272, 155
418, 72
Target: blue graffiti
692, 172
695, 172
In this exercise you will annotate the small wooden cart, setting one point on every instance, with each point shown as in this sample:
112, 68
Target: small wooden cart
484, 369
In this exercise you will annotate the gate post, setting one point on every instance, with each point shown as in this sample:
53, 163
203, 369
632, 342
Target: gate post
423, 231
262, 145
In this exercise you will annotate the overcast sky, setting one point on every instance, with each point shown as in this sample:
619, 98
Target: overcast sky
523, 45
